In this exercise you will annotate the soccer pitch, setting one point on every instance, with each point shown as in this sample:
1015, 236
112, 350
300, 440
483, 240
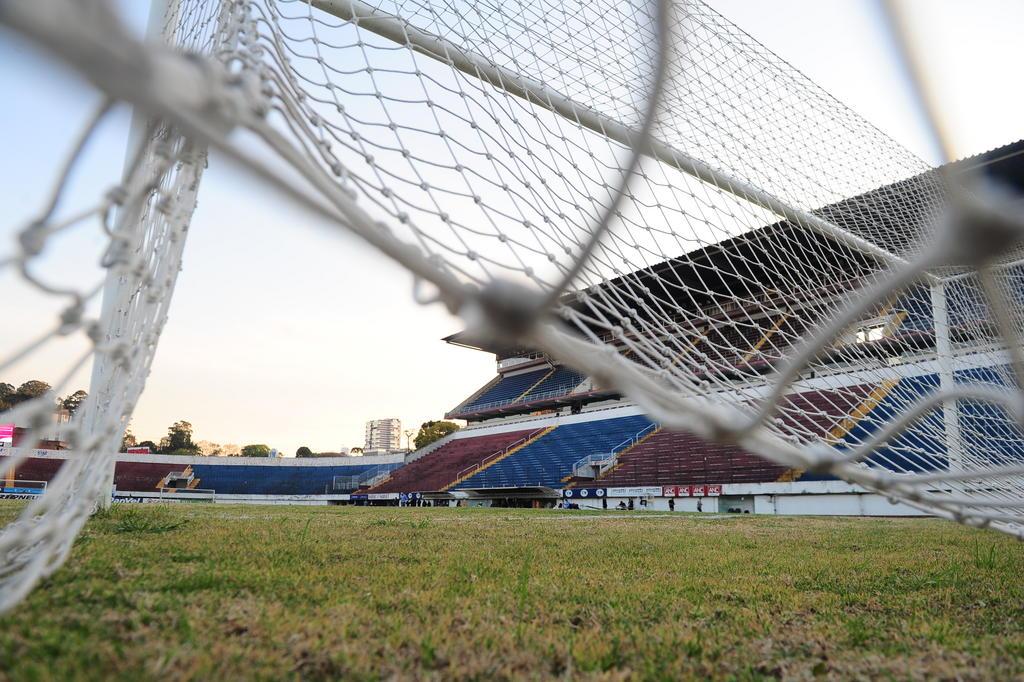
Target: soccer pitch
243, 592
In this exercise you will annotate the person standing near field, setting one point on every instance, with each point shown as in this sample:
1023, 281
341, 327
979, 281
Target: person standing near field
700, 507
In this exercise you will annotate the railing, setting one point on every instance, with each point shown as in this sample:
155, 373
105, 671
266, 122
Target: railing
565, 389
366, 478
602, 458
464, 474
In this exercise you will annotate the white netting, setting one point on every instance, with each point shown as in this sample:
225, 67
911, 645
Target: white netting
776, 273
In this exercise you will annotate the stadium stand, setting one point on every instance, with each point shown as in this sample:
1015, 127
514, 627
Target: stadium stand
550, 459
440, 468
508, 389
257, 480
675, 458
558, 383
212, 473
35, 469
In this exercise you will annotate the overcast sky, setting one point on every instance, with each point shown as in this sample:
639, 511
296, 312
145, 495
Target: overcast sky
284, 333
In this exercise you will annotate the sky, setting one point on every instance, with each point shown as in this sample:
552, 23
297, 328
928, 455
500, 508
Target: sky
286, 333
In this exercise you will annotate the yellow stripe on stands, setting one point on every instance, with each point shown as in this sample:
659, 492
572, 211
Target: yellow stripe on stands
866, 406
538, 383
895, 323
844, 427
494, 461
790, 475
767, 335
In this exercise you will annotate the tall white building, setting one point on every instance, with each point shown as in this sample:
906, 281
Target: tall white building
383, 435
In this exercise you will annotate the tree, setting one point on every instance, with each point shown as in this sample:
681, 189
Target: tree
356, 451
257, 450
6, 392
178, 440
74, 401
33, 389
128, 440
149, 444
304, 452
210, 449
433, 430
27, 391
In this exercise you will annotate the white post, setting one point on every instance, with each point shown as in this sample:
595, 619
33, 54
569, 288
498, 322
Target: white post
947, 381
113, 310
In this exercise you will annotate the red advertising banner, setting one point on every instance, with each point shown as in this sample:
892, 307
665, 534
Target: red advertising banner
6, 434
691, 490
144, 450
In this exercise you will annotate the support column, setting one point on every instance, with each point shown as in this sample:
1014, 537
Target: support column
947, 380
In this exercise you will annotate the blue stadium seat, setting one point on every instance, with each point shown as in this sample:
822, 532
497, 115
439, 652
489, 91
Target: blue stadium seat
550, 458
506, 390
228, 479
560, 382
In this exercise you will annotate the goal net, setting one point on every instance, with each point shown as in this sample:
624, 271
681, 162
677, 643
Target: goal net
639, 189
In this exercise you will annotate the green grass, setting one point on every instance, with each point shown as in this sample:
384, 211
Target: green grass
225, 592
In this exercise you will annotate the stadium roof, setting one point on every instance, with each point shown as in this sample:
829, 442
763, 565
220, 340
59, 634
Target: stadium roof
734, 269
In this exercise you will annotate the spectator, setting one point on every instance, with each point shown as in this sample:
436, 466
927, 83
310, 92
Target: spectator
630, 505
622, 505
671, 504
700, 506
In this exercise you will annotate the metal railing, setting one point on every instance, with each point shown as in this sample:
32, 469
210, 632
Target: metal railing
563, 390
607, 459
465, 473
366, 478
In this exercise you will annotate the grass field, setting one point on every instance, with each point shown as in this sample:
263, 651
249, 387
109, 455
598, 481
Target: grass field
226, 592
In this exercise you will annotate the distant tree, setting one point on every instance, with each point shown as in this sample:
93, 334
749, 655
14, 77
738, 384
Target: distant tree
356, 451
209, 448
230, 450
257, 450
33, 389
178, 440
28, 391
74, 401
304, 452
6, 392
128, 440
433, 430
153, 447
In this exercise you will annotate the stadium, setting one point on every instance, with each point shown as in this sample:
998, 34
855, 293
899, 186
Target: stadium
756, 409
541, 431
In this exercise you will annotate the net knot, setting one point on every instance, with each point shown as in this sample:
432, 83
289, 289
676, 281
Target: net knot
509, 310
33, 239
983, 224
71, 317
